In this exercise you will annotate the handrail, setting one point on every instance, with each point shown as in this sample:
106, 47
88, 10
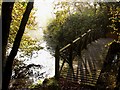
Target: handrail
80, 43
74, 41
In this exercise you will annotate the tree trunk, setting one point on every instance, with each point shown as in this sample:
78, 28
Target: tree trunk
118, 81
113, 50
8, 68
6, 20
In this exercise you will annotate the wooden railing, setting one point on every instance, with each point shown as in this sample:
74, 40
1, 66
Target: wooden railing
68, 52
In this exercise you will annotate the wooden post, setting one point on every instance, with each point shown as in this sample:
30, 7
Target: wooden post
71, 55
57, 63
71, 59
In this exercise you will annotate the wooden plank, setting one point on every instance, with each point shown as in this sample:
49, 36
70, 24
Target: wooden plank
74, 41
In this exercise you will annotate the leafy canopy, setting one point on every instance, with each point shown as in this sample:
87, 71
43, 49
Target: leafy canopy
72, 20
27, 44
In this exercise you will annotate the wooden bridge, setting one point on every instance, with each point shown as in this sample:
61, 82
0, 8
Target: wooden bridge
81, 60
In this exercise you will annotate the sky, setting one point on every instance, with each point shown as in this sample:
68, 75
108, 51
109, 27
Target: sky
43, 15
44, 12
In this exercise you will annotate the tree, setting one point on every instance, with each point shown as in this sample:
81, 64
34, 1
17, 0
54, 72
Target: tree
111, 65
109, 77
6, 20
69, 24
17, 14
8, 67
